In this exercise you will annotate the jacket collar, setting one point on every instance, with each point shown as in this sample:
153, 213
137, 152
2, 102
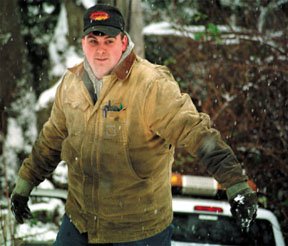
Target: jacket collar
122, 70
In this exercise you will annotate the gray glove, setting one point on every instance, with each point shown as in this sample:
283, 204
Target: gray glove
243, 206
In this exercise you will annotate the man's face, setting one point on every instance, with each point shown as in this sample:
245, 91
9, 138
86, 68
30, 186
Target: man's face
103, 52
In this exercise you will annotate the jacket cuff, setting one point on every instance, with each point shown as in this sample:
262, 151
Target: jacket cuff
23, 187
233, 190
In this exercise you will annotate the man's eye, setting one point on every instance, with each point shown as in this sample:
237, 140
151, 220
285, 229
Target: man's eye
92, 41
110, 41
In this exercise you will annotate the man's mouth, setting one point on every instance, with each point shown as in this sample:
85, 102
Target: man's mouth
101, 59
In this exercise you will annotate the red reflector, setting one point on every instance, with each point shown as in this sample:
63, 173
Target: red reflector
208, 209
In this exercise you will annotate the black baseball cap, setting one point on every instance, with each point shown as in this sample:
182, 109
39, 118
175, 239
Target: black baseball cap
103, 19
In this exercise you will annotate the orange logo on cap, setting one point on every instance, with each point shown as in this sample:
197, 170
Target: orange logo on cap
99, 16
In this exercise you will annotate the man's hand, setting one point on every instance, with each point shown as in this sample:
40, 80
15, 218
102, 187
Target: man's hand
19, 207
244, 208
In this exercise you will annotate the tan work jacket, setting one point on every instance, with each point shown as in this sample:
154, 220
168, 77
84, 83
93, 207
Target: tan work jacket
119, 151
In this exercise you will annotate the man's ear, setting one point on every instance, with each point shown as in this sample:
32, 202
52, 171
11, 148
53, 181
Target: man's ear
124, 43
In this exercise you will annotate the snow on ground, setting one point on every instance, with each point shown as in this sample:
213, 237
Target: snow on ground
39, 231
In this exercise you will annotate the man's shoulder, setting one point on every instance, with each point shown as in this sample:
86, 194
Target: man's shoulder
72, 77
77, 69
72, 73
151, 70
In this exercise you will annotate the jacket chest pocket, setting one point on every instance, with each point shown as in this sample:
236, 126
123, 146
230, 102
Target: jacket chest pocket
76, 115
114, 126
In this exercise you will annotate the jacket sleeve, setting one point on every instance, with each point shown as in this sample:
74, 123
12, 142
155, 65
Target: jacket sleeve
173, 116
46, 150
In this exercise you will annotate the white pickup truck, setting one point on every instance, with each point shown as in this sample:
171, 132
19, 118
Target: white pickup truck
208, 221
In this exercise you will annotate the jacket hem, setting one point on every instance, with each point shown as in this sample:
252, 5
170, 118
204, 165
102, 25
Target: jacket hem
125, 238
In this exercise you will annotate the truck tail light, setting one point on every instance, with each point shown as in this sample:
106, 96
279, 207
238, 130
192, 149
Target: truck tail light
200, 208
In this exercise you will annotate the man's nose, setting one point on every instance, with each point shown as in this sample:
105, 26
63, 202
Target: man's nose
100, 50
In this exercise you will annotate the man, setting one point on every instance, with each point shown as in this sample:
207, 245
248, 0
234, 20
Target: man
115, 121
